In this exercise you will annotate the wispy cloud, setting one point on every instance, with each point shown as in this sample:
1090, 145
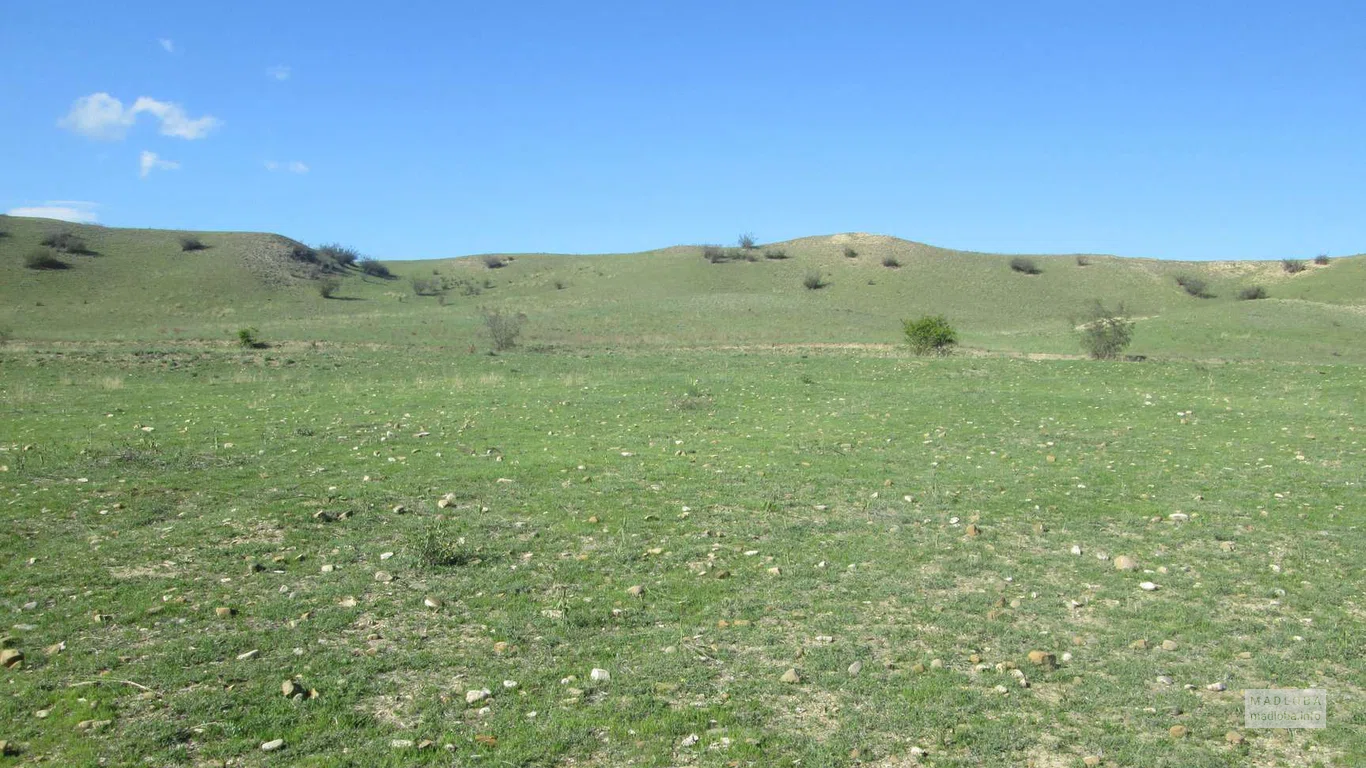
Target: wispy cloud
101, 116
77, 211
151, 161
279, 72
293, 166
167, 43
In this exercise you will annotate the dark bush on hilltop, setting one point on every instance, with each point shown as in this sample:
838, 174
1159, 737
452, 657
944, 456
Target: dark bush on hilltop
850, 253
813, 281
775, 254
746, 241
1025, 266
1321, 259
337, 254
503, 328
1105, 333
718, 255
890, 262
1083, 261
1252, 292
301, 252
930, 335
493, 261
328, 287
1195, 286
375, 268
67, 242
249, 338
44, 258
1293, 266
188, 244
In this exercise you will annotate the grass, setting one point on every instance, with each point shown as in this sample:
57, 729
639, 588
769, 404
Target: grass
392, 519
537, 488
669, 297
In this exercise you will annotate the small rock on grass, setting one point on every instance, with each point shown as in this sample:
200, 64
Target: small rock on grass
855, 668
11, 657
1234, 738
1091, 761
431, 601
635, 590
1043, 659
689, 740
224, 612
272, 745
600, 675
1125, 563
383, 576
791, 676
1148, 586
1216, 687
1178, 731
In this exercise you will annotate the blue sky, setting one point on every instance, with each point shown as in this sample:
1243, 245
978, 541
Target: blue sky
1193, 130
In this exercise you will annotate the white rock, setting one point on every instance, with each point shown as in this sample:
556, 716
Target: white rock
1216, 687
1148, 586
1076, 549
689, 740
271, 746
476, 695
599, 675
509, 684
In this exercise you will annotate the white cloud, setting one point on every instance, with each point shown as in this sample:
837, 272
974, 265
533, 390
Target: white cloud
167, 43
279, 72
293, 166
101, 116
150, 161
77, 211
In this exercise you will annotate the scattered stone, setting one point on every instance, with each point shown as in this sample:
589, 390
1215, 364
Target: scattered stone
919, 669
42, 714
510, 684
1227, 546
1178, 517
431, 601
689, 740
936, 663
425, 744
1043, 659
855, 668
347, 602
290, 689
1066, 656
1178, 731
775, 571
1169, 645
1076, 549
1245, 655
249, 655
385, 555
445, 501
1091, 761
600, 675
55, 648
791, 676
1001, 689
383, 577
11, 658
402, 743
1166, 680
93, 725
272, 745
1040, 529
224, 612
476, 695
973, 530
500, 647
1148, 586
635, 591
1234, 738
722, 574
1125, 563
1216, 687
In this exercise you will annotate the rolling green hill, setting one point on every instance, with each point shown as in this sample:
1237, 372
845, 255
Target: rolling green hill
140, 287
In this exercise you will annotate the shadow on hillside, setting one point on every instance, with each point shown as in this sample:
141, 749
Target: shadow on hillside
345, 298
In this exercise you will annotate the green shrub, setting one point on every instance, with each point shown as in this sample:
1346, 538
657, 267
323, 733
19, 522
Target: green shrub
375, 268
328, 287
493, 261
338, 254
1321, 259
930, 335
247, 338
188, 244
775, 254
1083, 261
1195, 286
813, 281
441, 547
718, 255
560, 285
427, 286
1105, 333
746, 241
1025, 266
1252, 292
1293, 266
66, 242
503, 328
890, 262
850, 253
44, 258
301, 252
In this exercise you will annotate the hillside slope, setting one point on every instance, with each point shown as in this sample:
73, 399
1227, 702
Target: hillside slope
141, 287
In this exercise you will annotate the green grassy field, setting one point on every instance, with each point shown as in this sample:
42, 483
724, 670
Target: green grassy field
784, 542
